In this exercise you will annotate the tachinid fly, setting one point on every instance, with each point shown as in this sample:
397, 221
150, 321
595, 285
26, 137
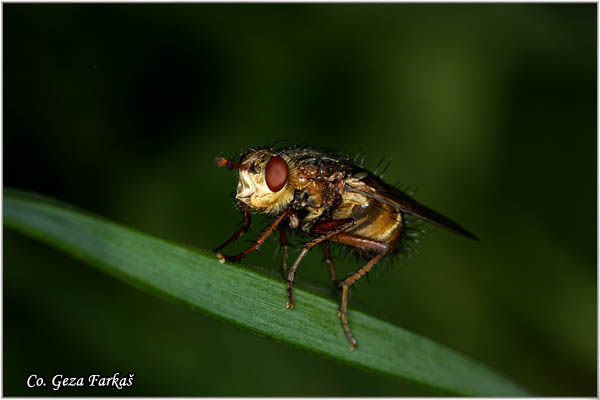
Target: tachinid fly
329, 198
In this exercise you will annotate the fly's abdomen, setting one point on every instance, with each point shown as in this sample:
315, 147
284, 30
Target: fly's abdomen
382, 223
373, 220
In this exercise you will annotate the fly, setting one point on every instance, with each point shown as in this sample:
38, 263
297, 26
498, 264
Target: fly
329, 198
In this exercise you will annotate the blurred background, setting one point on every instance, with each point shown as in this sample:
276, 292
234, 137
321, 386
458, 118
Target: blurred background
489, 110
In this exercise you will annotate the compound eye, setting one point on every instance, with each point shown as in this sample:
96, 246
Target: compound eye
276, 174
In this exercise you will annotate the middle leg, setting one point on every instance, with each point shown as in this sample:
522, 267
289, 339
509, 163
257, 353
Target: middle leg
340, 228
284, 245
329, 261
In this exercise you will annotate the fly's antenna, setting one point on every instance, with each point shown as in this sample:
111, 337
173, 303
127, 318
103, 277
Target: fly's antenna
231, 165
223, 162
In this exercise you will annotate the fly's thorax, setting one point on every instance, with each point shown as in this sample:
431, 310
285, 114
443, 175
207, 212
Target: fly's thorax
318, 191
253, 189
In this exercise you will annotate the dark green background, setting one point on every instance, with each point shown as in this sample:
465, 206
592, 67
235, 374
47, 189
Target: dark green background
489, 110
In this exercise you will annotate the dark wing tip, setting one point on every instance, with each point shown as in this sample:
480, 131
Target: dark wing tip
438, 219
467, 234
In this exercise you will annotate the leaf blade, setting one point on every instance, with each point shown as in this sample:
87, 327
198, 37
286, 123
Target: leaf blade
249, 299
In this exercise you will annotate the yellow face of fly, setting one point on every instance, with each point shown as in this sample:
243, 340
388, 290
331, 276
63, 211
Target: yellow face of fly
253, 189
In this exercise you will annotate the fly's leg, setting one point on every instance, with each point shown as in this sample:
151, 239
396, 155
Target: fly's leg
239, 232
362, 242
258, 242
345, 286
340, 225
284, 244
329, 261
381, 249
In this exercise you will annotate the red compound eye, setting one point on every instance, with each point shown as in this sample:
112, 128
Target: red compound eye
276, 174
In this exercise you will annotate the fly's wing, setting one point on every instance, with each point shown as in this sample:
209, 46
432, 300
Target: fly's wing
372, 187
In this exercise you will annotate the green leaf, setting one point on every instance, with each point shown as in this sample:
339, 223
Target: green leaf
249, 299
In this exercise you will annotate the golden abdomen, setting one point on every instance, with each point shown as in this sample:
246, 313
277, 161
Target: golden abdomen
373, 220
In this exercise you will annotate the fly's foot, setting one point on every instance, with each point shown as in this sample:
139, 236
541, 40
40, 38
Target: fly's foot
342, 315
221, 258
290, 303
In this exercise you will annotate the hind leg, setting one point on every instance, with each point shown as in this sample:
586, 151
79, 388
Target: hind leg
345, 286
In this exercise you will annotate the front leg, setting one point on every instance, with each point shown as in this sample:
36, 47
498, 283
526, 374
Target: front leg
239, 232
258, 242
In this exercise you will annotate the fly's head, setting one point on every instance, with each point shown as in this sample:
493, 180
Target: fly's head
265, 180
